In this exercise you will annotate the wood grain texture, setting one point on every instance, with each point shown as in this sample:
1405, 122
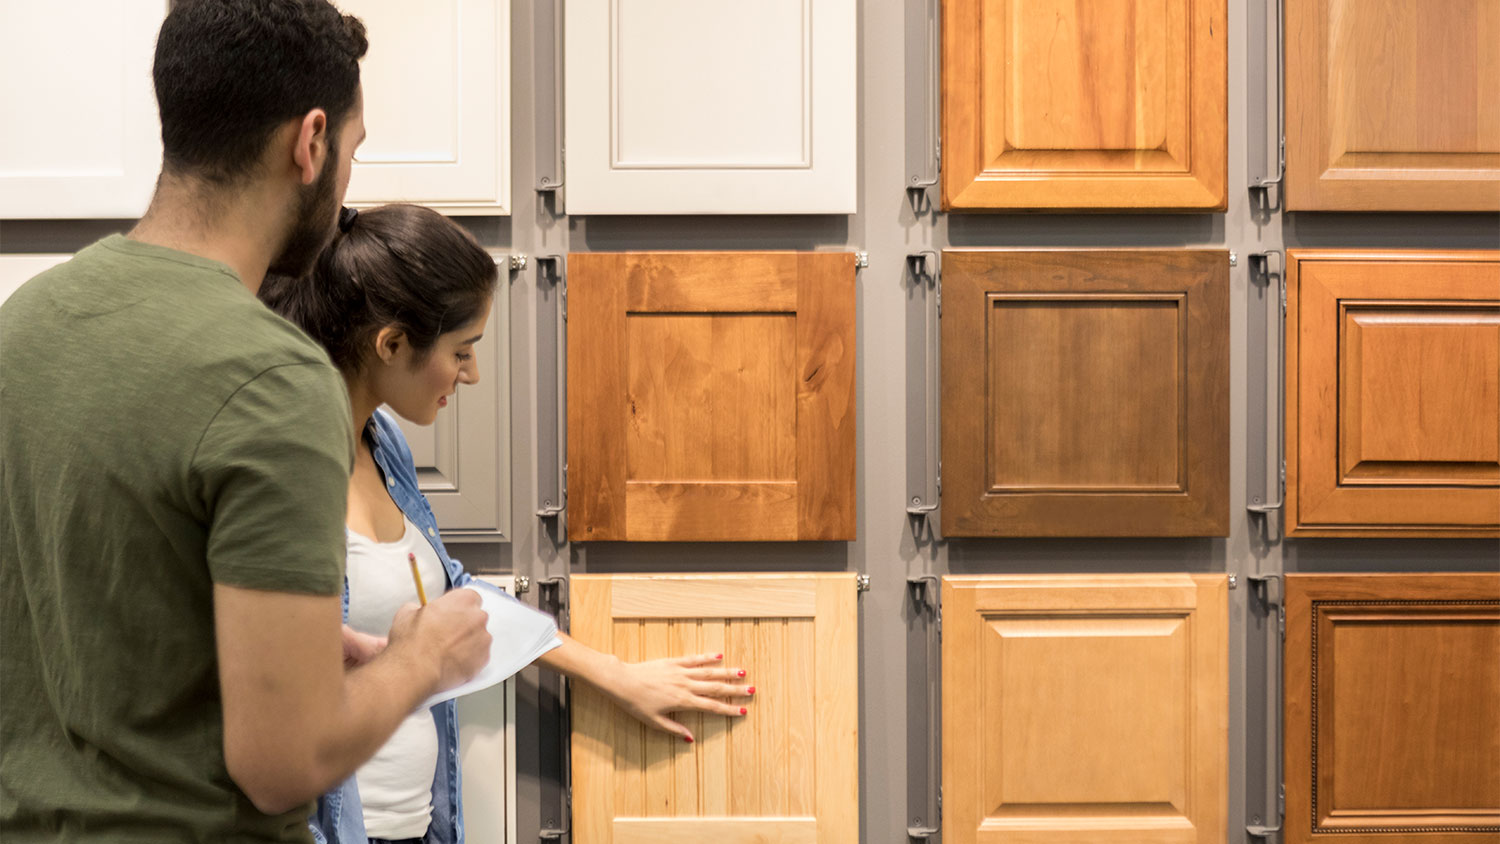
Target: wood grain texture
1085, 393
1393, 105
786, 771
1393, 393
1392, 708
711, 396
1085, 709
1061, 104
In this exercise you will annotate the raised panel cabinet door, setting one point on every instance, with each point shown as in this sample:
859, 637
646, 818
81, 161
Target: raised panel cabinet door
1393, 393
1085, 393
1392, 105
710, 107
1392, 708
1085, 709
487, 756
786, 772
1084, 104
463, 459
16, 270
81, 136
711, 396
437, 105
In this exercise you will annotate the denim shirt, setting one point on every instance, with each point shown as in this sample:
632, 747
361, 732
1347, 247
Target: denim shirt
339, 818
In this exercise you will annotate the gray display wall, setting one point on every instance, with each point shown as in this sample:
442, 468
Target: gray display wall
888, 229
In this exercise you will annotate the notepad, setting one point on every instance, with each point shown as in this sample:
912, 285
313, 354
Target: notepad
519, 634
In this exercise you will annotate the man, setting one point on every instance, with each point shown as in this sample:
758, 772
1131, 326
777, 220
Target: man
174, 462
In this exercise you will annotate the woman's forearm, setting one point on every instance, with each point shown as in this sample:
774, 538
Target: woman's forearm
578, 661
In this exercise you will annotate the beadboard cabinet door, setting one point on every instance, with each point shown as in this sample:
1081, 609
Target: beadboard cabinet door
1392, 105
81, 136
1085, 709
1392, 708
463, 459
710, 107
1393, 393
16, 270
1085, 393
487, 755
1081, 104
788, 771
711, 396
437, 105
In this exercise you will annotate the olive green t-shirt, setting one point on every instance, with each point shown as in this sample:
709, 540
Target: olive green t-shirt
160, 431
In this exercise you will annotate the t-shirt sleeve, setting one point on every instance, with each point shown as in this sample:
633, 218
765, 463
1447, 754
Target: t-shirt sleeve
273, 470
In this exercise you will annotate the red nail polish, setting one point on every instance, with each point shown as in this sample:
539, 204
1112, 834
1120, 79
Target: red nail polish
742, 672
743, 710
750, 691
688, 739
718, 656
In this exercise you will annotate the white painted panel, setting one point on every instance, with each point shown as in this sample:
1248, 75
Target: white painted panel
437, 105
16, 270
81, 135
487, 757
710, 107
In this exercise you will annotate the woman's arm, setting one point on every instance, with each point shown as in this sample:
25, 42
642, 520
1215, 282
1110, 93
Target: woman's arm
649, 690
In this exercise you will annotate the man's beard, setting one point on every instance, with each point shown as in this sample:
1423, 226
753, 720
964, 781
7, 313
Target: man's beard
317, 216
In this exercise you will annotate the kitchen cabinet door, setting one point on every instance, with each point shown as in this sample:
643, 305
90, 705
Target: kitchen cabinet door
437, 105
1392, 708
81, 138
788, 771
711, 396
1393, 393
1085, 393
487, 755
1084, 104
1085, 709
1392, 105
710, 107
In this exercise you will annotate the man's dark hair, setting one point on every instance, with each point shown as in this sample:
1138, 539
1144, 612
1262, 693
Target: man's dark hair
228, 72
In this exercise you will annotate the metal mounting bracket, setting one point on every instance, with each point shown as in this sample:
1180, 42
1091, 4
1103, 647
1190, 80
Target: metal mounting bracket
1266, 307
1261, 93
551, 386
924, 480
1269, 598
557, 799
547, 63
923, 143
924, 794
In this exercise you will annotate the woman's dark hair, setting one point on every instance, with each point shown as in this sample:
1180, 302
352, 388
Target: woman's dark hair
228, 72
401, 265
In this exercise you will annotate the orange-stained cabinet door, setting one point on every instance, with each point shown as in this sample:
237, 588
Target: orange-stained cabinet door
711, 396
1081, 709
787, 772
1087, 104
1392, 708
1393, 393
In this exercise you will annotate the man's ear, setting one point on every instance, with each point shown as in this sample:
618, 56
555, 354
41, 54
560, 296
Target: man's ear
311, 147
388, 343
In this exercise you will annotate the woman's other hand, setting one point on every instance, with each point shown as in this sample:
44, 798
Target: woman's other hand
360, 648
652, 689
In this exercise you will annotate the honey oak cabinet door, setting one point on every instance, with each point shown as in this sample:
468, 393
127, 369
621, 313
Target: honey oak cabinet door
437, 105
81, 136
1084, 104
1392, 105
1083, 709
788, 771
1393, 708
710, 107
1393, 393
711, 396
1085, 393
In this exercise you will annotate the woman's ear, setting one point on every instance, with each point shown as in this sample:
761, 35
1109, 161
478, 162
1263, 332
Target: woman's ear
388, 343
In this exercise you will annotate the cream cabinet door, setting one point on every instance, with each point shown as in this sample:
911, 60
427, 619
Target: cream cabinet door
710, 107
81, 136
786, 772
437, 105
16, 270
487, 757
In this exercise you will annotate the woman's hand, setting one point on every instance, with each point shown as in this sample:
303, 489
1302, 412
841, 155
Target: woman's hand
360, 648
652, 689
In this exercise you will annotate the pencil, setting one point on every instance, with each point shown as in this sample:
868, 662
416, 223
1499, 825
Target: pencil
421, 594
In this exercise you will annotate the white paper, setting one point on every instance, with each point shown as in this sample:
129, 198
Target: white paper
519, 634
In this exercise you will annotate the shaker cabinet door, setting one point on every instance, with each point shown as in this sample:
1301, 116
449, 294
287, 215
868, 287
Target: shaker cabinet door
788, 771
711, 396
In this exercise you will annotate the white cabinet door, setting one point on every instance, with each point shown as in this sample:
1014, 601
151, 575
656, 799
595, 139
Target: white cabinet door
16, 270
81, 137
487, 755
710, 107
437, 105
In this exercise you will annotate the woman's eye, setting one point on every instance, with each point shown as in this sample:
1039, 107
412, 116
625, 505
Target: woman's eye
463, 357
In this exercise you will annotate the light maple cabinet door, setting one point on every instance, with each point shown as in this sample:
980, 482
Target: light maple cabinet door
1085, 709
81, 136
1392, 105
1392, 708
463, 459
788, 771
710, 107
437, 105
1085, 393
711, 396
16, 270
487, 756
1084, 104
1393, 393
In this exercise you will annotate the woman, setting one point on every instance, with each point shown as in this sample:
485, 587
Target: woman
399, 299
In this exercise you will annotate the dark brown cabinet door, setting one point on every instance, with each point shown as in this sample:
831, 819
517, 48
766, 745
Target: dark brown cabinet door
1393, 708
1085, 393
